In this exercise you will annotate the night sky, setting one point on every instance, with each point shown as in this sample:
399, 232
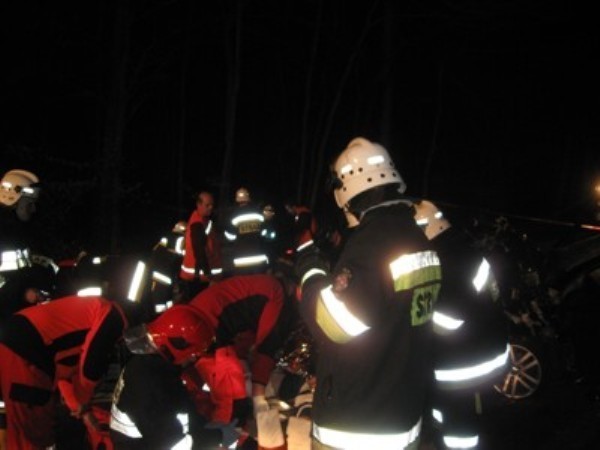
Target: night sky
487, 104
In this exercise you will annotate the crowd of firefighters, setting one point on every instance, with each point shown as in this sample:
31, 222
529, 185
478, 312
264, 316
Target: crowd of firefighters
400, 329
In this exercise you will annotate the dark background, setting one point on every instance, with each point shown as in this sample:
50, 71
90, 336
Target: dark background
125, 108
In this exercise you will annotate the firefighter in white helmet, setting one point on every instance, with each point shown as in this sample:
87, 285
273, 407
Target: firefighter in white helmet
20, 281
471, 340
372, 314
245, 248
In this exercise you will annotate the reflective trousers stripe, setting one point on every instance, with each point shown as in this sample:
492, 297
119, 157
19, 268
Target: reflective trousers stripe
360, 441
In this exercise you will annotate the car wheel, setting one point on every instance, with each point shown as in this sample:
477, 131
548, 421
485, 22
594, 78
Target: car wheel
525, 375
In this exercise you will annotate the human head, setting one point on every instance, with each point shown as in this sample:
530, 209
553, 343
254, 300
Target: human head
242, 196
205, 203
268, 212
18, 190
180, 334
430, 219
361, 167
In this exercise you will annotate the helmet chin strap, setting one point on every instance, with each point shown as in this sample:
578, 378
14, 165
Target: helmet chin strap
383, 204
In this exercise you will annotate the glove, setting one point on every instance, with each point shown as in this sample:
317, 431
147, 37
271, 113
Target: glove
310, 261
260, 404
229, 433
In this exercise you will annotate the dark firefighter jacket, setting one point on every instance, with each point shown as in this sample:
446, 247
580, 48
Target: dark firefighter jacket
373, 367
471, 334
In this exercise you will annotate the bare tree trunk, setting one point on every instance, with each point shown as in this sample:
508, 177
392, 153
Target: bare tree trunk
233, 84
185, 59
108, 216
317, 166
436, 130
304, 141
390, 49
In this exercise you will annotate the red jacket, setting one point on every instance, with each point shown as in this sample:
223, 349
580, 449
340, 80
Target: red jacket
245, 303
70, 339
201, 248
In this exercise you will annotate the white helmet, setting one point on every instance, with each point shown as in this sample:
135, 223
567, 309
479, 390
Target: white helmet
16, 184
430, 219
180, 227
361, 166
242, 195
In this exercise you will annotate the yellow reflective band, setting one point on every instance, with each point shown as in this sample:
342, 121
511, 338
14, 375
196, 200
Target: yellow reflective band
415, 269
473, 372
360, 441
483, 273
336, 321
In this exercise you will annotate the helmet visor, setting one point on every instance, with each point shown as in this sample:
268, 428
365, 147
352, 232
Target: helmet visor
139, 341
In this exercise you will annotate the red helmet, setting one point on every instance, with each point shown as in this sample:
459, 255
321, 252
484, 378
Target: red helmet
180, 333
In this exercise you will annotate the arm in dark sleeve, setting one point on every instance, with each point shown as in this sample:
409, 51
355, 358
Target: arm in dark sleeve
152, 396
96, 353
198, 236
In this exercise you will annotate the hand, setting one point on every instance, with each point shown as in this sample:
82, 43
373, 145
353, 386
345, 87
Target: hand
260, 404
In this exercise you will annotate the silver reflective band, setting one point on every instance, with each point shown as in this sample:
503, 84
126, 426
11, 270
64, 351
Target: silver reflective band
184, 444
461, 442
208, 227
251, 217
161, 278
184, 420
14, 260
342, 316
469, 373
412, 262
135, 290
305, 245
180, 245
363, 441
187, 269
437, 415
216, 271
230, 237
446, 322
310, 273
119, 421
92, 291
250, 260
2, 404
483, 273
